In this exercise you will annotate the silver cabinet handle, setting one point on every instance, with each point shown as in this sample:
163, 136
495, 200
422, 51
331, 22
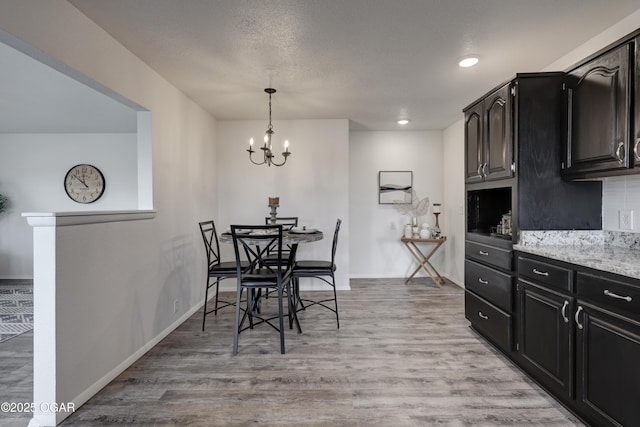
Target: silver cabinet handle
482, 316
576, 317
484, 282
620, 152
540, 273
564, 308
612, 295
484, 172
635, 149
483, 253
480, 170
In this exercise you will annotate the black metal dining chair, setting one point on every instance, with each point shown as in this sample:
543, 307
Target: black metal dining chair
287, 223
217, 270
252, 242
319, 269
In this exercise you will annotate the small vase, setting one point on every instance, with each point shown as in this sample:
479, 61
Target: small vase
408, 231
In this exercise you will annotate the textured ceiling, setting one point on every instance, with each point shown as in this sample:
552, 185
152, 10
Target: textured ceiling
369, 61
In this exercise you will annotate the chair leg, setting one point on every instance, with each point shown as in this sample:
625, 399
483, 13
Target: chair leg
215, 310
250, 295
297, 292
236, 322
293, 315
281, 318
335, 298
206, 296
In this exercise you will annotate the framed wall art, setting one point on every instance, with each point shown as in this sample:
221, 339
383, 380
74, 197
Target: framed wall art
394, 187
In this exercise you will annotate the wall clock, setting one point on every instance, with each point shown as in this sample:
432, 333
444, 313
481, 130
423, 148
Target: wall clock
84, 183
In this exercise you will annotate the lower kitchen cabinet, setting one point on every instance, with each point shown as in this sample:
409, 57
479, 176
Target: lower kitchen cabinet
545, 337
576, 332
608, 368
489, 320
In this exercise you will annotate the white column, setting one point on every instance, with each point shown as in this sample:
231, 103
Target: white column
44, 321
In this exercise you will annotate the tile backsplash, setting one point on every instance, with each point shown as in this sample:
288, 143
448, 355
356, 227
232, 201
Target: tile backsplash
620, 194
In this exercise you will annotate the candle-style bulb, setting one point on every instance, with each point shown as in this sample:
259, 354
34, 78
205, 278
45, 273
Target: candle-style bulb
286, 146
266, 139
251, 142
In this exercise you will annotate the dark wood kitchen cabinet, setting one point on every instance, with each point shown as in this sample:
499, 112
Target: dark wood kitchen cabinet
488, 137
545, 326
528, 112
635, 150
599, 115
608, 350
578, 336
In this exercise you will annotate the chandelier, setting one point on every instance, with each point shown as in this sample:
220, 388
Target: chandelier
267, 147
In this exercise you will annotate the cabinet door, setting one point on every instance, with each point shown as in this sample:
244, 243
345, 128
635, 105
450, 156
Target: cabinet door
545, 337
498, 135
473, 140
598, 114
635, 152
608, 378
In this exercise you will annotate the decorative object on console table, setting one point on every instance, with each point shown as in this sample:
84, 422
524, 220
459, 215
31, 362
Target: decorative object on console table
395, 187
274, 202
436, 213
416, 208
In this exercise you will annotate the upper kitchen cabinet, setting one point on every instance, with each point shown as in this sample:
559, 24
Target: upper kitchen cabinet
488, 137
636, 132
598, 116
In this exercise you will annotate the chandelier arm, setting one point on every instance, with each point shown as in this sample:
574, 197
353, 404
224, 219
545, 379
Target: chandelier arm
251, 158
279, 164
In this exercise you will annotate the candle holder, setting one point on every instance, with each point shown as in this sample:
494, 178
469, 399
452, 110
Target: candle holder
274, 203
436, 213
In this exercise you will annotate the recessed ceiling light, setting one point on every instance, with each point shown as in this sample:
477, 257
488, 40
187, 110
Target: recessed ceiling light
468, 61
403, 122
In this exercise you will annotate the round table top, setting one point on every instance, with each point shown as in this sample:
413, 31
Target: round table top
288, 238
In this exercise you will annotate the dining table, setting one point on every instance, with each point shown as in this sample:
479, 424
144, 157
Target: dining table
292, 237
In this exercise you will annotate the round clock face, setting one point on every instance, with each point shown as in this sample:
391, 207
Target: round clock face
84, 183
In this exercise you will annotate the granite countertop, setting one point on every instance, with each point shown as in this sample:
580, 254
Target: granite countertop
601, 250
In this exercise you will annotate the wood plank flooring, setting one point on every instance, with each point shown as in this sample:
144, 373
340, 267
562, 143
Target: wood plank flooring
404, 356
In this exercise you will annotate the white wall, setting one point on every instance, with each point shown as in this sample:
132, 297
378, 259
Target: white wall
128, 288
454, 199
376, 250
312, 185
32, 171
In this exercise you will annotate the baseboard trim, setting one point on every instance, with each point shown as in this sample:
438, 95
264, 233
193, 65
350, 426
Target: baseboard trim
18, 277
82, 398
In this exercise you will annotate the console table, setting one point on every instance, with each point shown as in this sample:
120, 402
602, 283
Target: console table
423, 260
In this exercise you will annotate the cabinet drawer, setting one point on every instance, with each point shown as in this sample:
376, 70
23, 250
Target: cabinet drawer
489, 255
553, 276
492, 285
488, 320
619, 297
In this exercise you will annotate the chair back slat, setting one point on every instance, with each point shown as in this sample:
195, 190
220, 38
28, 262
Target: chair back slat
211, 243
287, 222
244, 240
334, 246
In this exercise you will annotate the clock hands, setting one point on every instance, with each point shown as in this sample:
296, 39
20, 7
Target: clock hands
81, 180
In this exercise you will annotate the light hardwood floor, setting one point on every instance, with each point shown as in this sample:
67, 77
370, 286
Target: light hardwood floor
404, 356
